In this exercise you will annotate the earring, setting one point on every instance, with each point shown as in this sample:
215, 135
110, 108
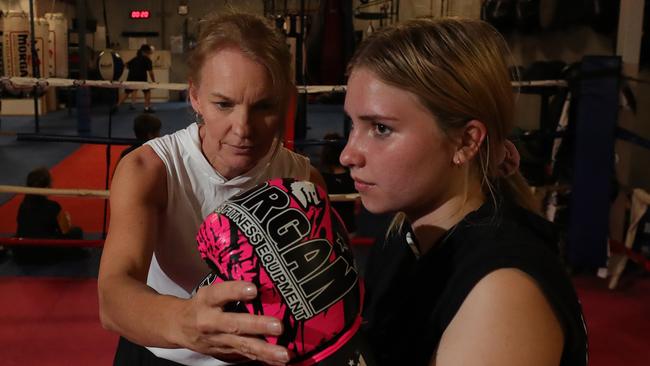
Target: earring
198, 118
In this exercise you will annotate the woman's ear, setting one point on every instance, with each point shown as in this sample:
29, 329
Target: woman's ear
471, 139
194, 96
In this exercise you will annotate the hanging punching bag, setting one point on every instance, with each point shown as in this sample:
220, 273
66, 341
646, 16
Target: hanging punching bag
110, 65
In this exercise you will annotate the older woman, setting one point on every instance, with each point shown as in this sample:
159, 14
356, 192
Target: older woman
239, 87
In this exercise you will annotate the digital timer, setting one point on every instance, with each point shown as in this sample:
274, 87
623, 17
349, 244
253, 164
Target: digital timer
140, 14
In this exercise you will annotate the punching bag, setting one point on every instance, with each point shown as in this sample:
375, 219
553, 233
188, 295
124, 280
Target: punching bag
594, 160
58, 45
110, 65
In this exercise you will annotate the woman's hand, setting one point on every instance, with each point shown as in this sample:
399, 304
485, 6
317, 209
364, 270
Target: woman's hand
64, 220
228, 336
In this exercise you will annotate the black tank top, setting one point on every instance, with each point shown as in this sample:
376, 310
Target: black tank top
410, 302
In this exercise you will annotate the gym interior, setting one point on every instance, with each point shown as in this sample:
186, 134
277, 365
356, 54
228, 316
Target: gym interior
581, 73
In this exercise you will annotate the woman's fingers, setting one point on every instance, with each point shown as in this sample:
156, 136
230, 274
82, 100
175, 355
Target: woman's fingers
220, 294
238, 324
229, 335
249, 347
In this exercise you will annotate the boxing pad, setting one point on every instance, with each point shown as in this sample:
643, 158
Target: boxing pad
110, 65
547, 10
527, 12
568, 13
284, 237
603, 15
499, 13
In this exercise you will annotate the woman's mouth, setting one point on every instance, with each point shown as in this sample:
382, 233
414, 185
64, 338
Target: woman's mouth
241, 149
361, 185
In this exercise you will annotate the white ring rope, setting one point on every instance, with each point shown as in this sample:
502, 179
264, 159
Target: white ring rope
26, 83
93, 193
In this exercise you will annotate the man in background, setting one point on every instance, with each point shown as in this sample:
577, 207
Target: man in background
139, 67
145, 127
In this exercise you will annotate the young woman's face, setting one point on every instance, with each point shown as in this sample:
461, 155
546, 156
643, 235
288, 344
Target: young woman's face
399, 158
238, 104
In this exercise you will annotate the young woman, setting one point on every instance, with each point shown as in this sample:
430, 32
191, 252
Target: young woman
239, 87
470, 273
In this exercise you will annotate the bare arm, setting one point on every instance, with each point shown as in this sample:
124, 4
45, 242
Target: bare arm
63, 218
505, 320
138, 197
131, 308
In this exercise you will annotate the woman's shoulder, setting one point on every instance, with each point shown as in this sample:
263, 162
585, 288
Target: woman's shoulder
39, 204
503, 227
291, 164
514, 244
506, 237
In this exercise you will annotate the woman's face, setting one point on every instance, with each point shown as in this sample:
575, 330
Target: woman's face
238, 103
399, 158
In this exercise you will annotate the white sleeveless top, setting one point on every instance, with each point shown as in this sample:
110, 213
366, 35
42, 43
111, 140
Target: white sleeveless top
194, 190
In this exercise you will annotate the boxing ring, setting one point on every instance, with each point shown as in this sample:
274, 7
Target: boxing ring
74, 300
40, 85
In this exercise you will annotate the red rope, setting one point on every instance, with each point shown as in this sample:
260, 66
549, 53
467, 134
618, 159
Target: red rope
362, 241
618, 247
51, 242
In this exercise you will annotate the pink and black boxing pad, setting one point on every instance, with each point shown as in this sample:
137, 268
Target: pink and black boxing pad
285, 237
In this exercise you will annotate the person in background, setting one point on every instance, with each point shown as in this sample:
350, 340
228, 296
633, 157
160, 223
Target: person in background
338, 180
139, 67
42, 218
470, 272
145, 128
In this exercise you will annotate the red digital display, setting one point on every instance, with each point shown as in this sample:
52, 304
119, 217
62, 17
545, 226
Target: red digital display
140, 14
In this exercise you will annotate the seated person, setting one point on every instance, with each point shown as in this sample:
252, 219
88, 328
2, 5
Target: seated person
338, 179
145, 127
40, 217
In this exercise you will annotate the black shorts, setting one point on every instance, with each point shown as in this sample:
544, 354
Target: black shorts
129, 353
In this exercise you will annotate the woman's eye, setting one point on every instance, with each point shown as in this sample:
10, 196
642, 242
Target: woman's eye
382, 130
223, 105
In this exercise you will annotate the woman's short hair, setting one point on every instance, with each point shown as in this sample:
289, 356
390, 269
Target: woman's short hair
146, 126
254, 36
39, 178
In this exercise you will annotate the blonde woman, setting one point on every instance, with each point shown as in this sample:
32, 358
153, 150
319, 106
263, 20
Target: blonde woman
470, 274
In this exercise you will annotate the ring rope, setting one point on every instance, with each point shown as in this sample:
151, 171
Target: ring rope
52, 242
95, 193
26, 83
87, 243
92, 193
54, 192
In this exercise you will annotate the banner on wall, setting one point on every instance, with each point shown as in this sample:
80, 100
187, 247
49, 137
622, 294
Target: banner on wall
16, 50
15, 41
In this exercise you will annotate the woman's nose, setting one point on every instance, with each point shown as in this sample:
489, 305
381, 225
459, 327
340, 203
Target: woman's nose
352, 156
241, 124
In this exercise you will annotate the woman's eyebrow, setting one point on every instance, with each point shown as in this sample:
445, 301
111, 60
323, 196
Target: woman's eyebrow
221, 96
376, 116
